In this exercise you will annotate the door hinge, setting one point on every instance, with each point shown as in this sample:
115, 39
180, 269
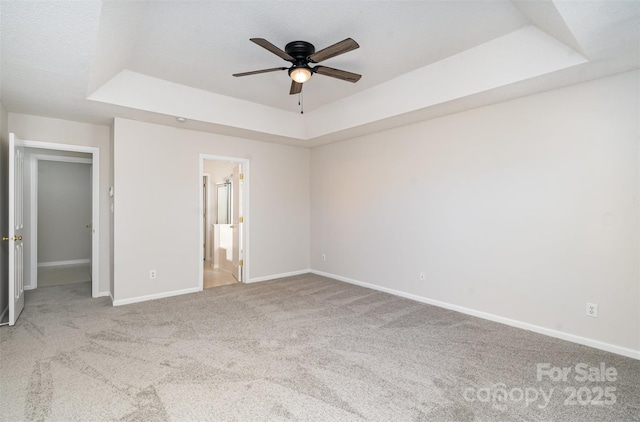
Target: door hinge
240, 219
241, 262
241, 176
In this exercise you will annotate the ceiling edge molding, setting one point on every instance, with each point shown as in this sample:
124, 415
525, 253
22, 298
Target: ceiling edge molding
137, 91
520, 55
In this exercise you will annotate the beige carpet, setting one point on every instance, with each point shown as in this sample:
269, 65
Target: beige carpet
300, 348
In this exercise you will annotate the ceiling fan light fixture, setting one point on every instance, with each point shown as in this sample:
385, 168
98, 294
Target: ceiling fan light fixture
300, 54
300, 74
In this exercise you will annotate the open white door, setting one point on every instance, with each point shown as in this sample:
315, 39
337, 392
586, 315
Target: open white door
16, 228
237, 221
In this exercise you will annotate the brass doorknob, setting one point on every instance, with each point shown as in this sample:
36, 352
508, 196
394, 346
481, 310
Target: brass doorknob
5, 238
17, 237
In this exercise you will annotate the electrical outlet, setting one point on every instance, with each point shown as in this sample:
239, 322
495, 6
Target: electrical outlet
324, 257
422, 276
592, 310
152, 274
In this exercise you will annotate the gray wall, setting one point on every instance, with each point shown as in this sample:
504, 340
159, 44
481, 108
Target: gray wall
522, 211
157, 221
64, 211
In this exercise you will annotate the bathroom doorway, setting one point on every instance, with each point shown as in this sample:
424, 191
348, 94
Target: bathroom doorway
224, 221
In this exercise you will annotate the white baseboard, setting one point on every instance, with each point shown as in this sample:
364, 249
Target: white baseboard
275, 276
155, 296
61, 263
105, 294
4, 313
624, 351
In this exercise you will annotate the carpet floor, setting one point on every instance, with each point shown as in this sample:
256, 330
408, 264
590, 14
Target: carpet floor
298, 348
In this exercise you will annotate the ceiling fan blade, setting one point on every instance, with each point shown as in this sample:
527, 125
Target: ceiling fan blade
333, 50
275, 50
296, 88
337, 73
255, 72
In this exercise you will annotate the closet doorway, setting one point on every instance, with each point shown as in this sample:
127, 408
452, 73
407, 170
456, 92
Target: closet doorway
84, 255
62, 219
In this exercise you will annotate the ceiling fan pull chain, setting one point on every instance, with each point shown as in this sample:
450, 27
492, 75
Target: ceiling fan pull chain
301, 103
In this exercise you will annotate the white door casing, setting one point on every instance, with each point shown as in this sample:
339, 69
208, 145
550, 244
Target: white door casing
36, 160
237, 221
95, 202
16, 228
206, 219
91, 222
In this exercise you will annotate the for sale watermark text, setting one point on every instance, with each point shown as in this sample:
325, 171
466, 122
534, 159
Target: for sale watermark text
597, 395
581, 372
593, 387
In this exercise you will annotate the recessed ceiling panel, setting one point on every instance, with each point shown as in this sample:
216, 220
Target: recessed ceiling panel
201, 44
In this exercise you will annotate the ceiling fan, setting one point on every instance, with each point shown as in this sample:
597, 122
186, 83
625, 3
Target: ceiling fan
300, 54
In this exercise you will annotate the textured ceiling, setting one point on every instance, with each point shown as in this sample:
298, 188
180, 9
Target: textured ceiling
126, 54
395, 38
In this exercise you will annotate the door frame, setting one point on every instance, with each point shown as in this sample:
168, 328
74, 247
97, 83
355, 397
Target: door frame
33, 254
245, 162
206, 232
95, 202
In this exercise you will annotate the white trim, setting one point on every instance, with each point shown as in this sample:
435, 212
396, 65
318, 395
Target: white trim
95, 224
105, 294
60, 263
35, 163
276, 276
95, 204
33, 253
207, 229
155, 296
608, 347
245, 207
63, 158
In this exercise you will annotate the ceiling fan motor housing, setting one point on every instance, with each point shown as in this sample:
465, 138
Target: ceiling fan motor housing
300, 50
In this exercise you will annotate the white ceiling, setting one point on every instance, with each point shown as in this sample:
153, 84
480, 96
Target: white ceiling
155, 60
